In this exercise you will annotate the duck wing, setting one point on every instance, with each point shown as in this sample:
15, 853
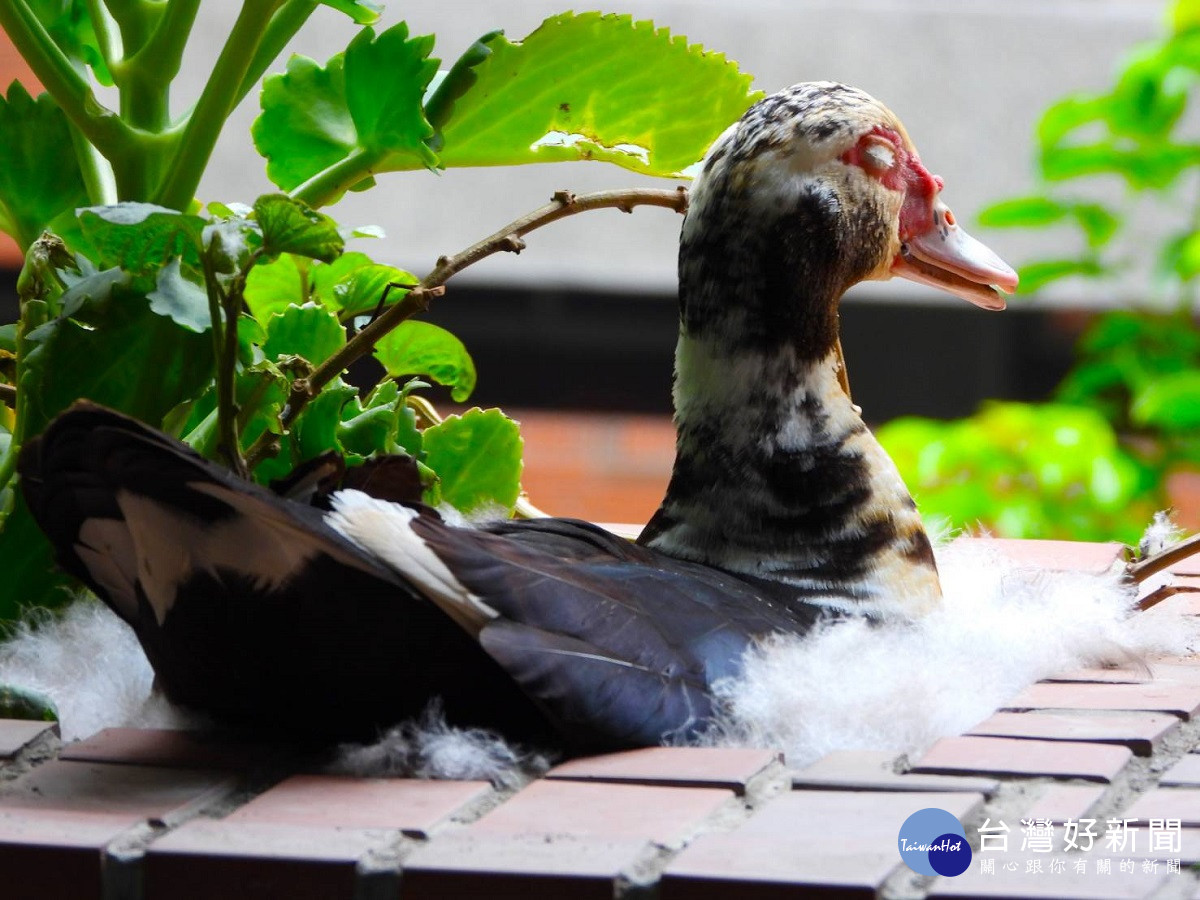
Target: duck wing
619, 644
265, 611
248, 606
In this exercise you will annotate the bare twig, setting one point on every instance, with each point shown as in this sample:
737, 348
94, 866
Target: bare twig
1151, 565
8, 394
507, 239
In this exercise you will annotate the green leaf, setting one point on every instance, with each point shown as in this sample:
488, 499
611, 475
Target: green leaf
116, 351
447, 87
366, 101
1099, 224
1184, 15
421, 348
69, 23
477, 457
290, 226
260, 392
30, 573
1067, 115
363, 12
39, 175
1038, 274
1171, 402
1023, 212
387, 112
310, 331
271, 287
316, 429
180, 298
140, 238
594, 86
305, 126
1183, 256
363, 289
1148, 166
1146, 102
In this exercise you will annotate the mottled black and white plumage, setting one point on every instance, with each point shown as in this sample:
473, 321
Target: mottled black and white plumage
782, 508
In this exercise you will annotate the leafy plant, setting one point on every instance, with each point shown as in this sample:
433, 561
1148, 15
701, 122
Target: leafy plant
1135, 384
230, 325
1025, 470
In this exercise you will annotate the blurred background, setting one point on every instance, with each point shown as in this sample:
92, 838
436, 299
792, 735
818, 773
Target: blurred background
575, 336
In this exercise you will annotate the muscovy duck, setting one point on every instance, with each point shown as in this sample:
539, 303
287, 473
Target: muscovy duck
782, 509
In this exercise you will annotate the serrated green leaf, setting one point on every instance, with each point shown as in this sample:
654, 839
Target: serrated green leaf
317, 116
180, 298
316, 429
140, 237
447, 87
304, 126
372, 430
1171, 402
363, 290
271, 287
477, 457
1023, 212
310, 331
594, 86
421, 348
363, 12
387, 112
291, 226
39, 175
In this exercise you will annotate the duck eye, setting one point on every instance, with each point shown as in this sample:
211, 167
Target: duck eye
878, 157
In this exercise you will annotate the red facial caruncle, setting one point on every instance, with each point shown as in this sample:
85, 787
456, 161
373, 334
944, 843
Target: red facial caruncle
933, 249
906, 173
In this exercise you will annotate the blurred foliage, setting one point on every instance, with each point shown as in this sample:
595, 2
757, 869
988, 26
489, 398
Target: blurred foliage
1025, 470
1092, 464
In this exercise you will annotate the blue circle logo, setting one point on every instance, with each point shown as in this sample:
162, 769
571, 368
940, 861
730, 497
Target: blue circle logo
933, 842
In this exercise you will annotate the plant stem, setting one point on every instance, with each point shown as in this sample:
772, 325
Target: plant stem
101, 25
1151, 565
164, 49
69, 89
97, 173
507, 239
283, 26
194, 145
328, 185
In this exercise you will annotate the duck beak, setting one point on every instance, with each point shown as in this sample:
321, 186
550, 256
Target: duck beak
944, 256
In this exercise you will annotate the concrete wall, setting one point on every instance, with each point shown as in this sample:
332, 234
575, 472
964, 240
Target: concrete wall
969, 78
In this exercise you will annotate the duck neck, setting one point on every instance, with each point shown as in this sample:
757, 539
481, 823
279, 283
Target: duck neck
776, 476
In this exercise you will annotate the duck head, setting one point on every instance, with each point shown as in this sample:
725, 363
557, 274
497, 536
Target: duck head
817, 188
776, 476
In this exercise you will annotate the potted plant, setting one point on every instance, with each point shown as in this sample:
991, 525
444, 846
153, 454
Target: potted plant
230, 325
